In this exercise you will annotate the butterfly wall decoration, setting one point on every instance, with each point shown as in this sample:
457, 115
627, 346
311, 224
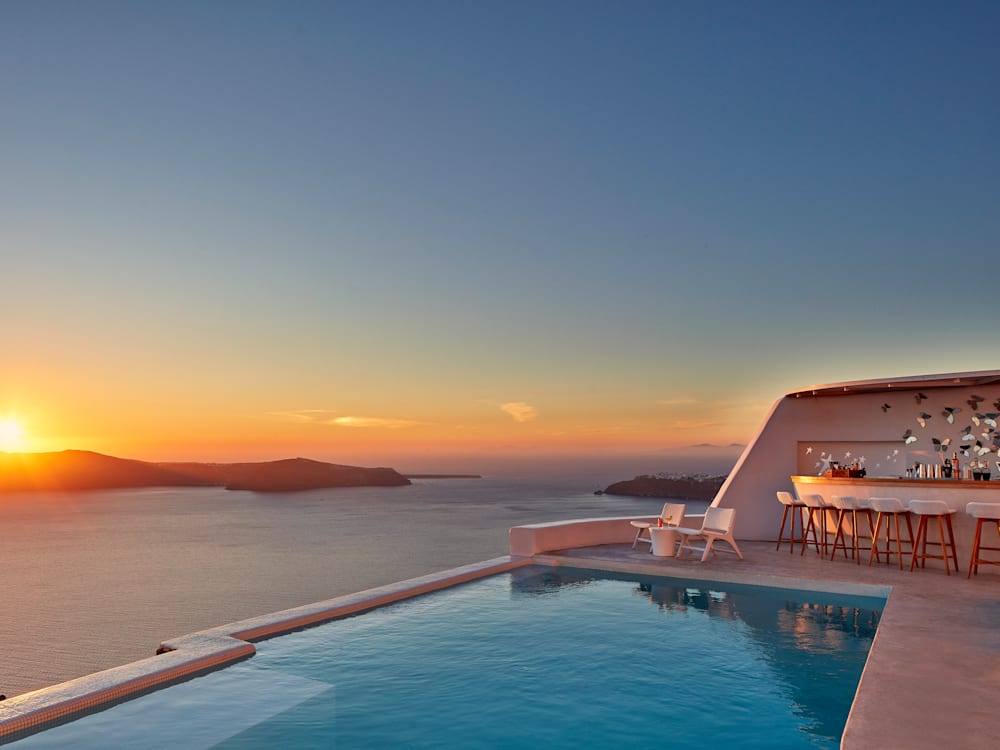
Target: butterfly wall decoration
920, 397
922, 419
949, 414
975, 401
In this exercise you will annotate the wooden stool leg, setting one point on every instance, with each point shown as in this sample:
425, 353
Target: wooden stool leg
873, 554
838, 537
781, 531
899, 541
951, 536
855, 549
921, 534
944, 548
797, 514
823, 525
974, 559
923, 552
871, 533
805, 532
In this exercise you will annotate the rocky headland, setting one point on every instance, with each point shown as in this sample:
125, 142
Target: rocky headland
669, 486
86, 470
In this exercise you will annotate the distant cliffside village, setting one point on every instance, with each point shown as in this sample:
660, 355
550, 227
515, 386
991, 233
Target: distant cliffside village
669, 486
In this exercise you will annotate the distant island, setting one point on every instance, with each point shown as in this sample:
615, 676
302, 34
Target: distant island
86, 470
668, 486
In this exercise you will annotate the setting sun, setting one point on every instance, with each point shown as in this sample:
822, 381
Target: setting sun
10, 435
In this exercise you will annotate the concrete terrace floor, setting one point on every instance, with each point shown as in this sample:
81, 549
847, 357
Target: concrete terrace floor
933, 675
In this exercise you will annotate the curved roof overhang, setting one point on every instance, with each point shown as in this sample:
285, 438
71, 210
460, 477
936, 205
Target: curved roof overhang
909, 383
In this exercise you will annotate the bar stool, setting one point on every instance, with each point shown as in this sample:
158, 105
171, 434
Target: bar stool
793, 507
815, 505
982, 512
933, 509
889, 509
846, 504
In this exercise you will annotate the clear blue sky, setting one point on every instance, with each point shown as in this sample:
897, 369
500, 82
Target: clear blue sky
641, 222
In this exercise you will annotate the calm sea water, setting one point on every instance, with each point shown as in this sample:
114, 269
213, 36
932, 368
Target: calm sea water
96, 579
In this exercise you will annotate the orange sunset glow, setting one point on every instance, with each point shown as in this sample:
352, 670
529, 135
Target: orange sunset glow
10, 435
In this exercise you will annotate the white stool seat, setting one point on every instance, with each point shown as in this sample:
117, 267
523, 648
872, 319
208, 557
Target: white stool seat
887, 505
990, 511
843, 502
929, 507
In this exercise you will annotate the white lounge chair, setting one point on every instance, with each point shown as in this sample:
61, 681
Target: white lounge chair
672, 515
717, 526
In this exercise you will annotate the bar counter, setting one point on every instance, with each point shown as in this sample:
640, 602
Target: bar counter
956, 493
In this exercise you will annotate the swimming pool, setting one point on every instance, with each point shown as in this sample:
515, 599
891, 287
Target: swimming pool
540, 656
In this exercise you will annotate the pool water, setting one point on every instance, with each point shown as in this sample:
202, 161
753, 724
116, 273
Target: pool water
540, 657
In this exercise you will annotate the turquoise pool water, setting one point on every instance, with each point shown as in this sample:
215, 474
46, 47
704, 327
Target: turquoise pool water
541, 657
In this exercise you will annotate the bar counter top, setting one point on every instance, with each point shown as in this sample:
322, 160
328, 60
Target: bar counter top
955, 484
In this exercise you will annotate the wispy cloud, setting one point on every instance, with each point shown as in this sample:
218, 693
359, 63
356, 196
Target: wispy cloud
520, 411
677, 401
691, 424
306, 415
328, 417
386, 422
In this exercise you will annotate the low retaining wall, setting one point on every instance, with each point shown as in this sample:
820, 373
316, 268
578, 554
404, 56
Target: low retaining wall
538, 538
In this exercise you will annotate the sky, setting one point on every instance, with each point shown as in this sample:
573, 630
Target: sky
431, 234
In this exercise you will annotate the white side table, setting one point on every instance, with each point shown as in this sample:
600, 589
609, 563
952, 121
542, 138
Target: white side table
664, 541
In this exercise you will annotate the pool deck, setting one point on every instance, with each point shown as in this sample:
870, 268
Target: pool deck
933, 675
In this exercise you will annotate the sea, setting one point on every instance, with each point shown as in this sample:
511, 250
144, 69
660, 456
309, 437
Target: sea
92, 580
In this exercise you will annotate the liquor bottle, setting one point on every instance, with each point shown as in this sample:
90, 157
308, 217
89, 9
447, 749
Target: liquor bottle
956, 467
